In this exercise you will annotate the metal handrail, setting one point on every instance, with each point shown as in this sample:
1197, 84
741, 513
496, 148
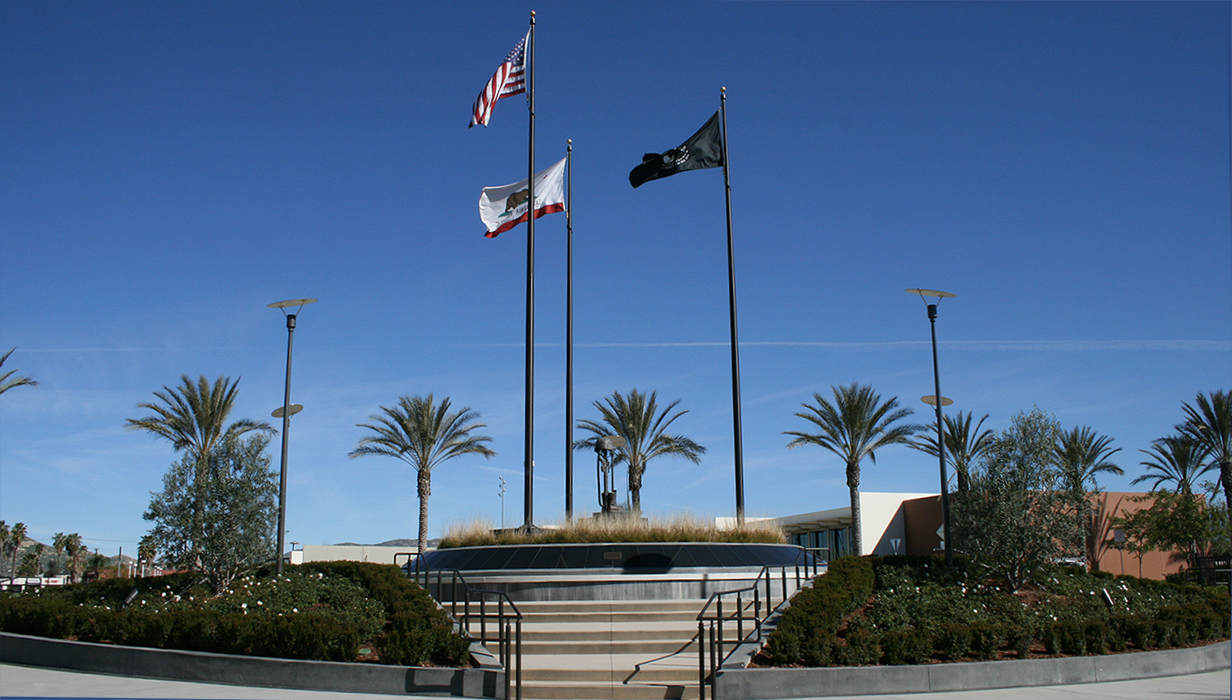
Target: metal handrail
509, 641
808, 560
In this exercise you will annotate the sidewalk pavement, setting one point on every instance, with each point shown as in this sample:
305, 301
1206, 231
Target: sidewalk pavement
26, 681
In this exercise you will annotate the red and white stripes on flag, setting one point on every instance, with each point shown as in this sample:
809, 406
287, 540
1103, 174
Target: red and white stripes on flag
509, 79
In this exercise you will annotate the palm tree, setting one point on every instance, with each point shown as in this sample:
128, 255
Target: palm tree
4, 540
1175, 459
1081, 454
962, 444
423, 435
1210, 425
74, 548
193, 417
17, 537
146, 550
638, 420
854, 427
6, 383
57, 543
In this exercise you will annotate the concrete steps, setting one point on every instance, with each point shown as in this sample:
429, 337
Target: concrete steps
626, 650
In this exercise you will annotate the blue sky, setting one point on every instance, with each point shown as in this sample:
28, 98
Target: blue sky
171, 168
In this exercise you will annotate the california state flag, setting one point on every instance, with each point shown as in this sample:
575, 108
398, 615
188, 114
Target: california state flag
504, 207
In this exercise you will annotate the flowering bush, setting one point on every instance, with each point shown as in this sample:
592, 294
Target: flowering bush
323, 611
920, 610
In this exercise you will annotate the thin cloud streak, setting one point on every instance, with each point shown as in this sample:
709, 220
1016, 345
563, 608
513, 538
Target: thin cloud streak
1002, 345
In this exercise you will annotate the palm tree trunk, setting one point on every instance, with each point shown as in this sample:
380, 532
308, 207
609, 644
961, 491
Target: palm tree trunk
425, 489
635, 487
853, 484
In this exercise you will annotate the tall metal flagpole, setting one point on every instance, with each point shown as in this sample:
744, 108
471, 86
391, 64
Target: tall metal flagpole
529, 457
569, 337
735, 345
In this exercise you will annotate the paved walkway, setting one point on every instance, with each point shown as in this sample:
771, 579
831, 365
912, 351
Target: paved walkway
25, 681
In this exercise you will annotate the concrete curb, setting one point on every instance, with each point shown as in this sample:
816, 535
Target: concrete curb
252, 671
773, 683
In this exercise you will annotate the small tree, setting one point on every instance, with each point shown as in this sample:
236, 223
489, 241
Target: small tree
637, 418
423, 435
1018, 515
963, 444
16, 539
1178, 522
75, 550
240, 498
855, 426
1209, 423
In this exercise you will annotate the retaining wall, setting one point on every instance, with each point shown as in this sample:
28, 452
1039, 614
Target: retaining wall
774, 683
252, 671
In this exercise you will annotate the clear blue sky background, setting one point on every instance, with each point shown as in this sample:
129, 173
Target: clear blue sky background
168, 169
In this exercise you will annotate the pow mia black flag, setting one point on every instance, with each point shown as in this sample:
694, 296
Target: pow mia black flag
703, 150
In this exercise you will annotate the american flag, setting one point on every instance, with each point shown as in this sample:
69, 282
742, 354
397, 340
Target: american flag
509, 79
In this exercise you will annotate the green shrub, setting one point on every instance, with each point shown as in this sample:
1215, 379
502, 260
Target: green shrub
986, 639
1096, 636
320, 611
816, 613
907, 646
1019, 639
953, 640
862, 649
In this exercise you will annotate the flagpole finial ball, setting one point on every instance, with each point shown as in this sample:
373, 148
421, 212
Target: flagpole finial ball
723, 89
570, 141
532, 13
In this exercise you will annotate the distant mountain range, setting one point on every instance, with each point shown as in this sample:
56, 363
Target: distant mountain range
391, 543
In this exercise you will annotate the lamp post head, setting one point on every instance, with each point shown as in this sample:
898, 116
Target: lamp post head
932, 307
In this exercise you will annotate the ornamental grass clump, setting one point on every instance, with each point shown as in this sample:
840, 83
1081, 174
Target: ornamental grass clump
481, 533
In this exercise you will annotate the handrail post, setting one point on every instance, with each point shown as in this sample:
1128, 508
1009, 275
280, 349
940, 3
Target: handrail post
740, 618
519, 643
507, 655
453, 594
483, 619
701, 660
715, 651
715, 666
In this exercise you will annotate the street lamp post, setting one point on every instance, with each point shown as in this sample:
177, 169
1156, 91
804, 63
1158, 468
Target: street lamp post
287, 412
938, 402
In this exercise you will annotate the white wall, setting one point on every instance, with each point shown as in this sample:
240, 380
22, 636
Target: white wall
379, 555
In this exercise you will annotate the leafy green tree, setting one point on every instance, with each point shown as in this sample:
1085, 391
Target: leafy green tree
1174, 522
963, 444
1209, 423
193, 418
1083, 453
240, 495
1018, 515
8, 381
637, 418
854, 427
423, 435
1175, 459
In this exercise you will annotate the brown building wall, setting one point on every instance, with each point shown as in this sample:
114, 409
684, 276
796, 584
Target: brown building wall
1104, 557
922, 519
